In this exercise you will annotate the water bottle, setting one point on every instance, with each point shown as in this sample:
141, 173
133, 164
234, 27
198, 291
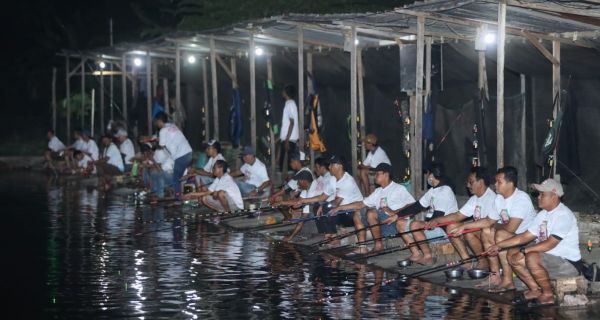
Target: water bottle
134, 169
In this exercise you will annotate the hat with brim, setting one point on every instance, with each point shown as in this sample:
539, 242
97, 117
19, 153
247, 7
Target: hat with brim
303, 175
549, 185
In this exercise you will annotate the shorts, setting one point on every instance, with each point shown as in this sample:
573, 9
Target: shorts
558, 266
386, 230
429, 234
204, 180
217, 204
327, 224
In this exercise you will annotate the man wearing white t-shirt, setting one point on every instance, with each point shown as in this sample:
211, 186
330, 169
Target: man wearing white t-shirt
375, 156
480, 205
162, 175
204, 176
307, 187
90, 147
85, 164
171, 138
291, 187
126, 148
111, 162
79, 144
549, 248
512, 216
290, 132
388, 198
256, 180
223, 194
55, 148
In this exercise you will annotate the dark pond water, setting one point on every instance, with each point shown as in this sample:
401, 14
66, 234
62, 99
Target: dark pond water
74, 252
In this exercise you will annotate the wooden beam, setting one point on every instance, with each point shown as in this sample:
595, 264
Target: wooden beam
300, 87
482, 82
54, 100
101, 102
361, 101
556, 94
166, 97
82, 93
154, 78
310, 88
560, 9
428, 43
215, 92
177, 79
149, 92
124, 86
228, 71
501, 37
417, 121
111, 94
523, 138
271, 133
536, 43
251, 53
353, 102
205, 96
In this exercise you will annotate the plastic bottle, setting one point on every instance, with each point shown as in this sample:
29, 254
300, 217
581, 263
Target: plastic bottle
134, 169
589, 246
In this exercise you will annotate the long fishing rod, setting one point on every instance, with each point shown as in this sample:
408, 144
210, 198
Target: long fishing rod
345, 235
410, 245
397, 235
293, 222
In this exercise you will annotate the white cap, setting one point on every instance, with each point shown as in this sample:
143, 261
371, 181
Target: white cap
121, 133
549, 185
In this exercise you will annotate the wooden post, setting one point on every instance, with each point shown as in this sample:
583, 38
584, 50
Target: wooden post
205, 94
482, 80
215, 93
428, 43
417, 142
102, 101
166, 96
361, 101
83, 93
93, 101
353, 102
300, 88
556, 94
271, 134
154, 78
523, 145
536, 150
500, 85
149, 91
177, 79
68, 98
111, 93
252, 92
310, 88
233, 64
54, 100
124, 86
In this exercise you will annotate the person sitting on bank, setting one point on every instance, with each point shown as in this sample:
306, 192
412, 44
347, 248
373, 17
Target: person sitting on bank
204, 176
55, 149
90, 147
291, 187
375, 156
111, 162
256, 182
384, 202
548, 249
78, 145
308, 189
479, 206
223, 194
438, 201
85, 164
126, 148
161, 173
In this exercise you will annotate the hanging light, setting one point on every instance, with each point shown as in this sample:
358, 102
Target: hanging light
191, 59
489, 38
137, 62
258, 51
102, 65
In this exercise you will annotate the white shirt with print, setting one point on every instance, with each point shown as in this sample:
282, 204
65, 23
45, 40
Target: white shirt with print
440, 198
91, 148
290, 111
374, 158
165, 161
55, 144
326, 185
293, 184
173, 139
256, 173
560, 222
126, 148
480, 207
79, 144
114, 156
347, 189
208, 167
518, 205
394, 196
227, 184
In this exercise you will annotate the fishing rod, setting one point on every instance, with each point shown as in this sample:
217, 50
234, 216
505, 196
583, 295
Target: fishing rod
292, 222
345, 235
410, 245
397, 235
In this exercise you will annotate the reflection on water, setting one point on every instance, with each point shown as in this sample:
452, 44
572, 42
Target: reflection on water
99, 267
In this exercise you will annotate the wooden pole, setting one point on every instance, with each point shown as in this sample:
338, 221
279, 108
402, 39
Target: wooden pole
154, 78
177, 79
500, 85
166, 96
428, 43
271, 134
536, 150
124, 86
93, 101
149, 92
215, 92
361, 101
54, 100
417, 142
205, 94
300, 88
310, 88
102, 101
353, 102
556, 85
482, 80
112, 69
83, 93
252, 92
523, 146
68, 98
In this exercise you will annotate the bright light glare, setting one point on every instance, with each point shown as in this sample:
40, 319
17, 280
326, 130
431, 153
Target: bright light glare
489, 38
102, 65
259, 51
137, 62
191, 59
356, 41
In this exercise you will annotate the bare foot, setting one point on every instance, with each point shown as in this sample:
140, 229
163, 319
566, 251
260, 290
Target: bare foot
546, 298
287, 238
492, 280
360, 250
532, 294
415, 257
377, 248
426, 260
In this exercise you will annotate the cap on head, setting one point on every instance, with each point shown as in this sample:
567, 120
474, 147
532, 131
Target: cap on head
303, 175
121, 133
248, 151
549, 185
298, 156
215, 144
370, 138
384, 167
336, 160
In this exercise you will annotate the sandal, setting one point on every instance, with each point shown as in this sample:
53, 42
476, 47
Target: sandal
500, 289
535, 303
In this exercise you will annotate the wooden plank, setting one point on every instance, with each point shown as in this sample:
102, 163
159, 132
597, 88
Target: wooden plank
228, 71
124, 86
556, 85
353, 102
501, 37
54, 100
154, 78
482, 82
301, 87
428, 43
536, 43
251, 54
361, 101
149, 92
205, 96
215, 92
417, 142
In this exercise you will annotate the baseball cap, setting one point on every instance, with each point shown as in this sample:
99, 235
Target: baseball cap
383, 167
370, 138
248, 151
121, 133
336, 160
549, 185
303, 175
298, 155
214, 143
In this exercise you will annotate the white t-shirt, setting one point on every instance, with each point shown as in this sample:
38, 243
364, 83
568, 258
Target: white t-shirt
325, 184
163, 158
290, 111
255, 174
55, 144
347, 189
126, 148
84, 162
374, 158
91, 148
439, 199
208, 167
79, 144
173, 139
114, 156
293, 184
560, 222
480, 207
311, 192
227, 184
518, 205
394, 196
